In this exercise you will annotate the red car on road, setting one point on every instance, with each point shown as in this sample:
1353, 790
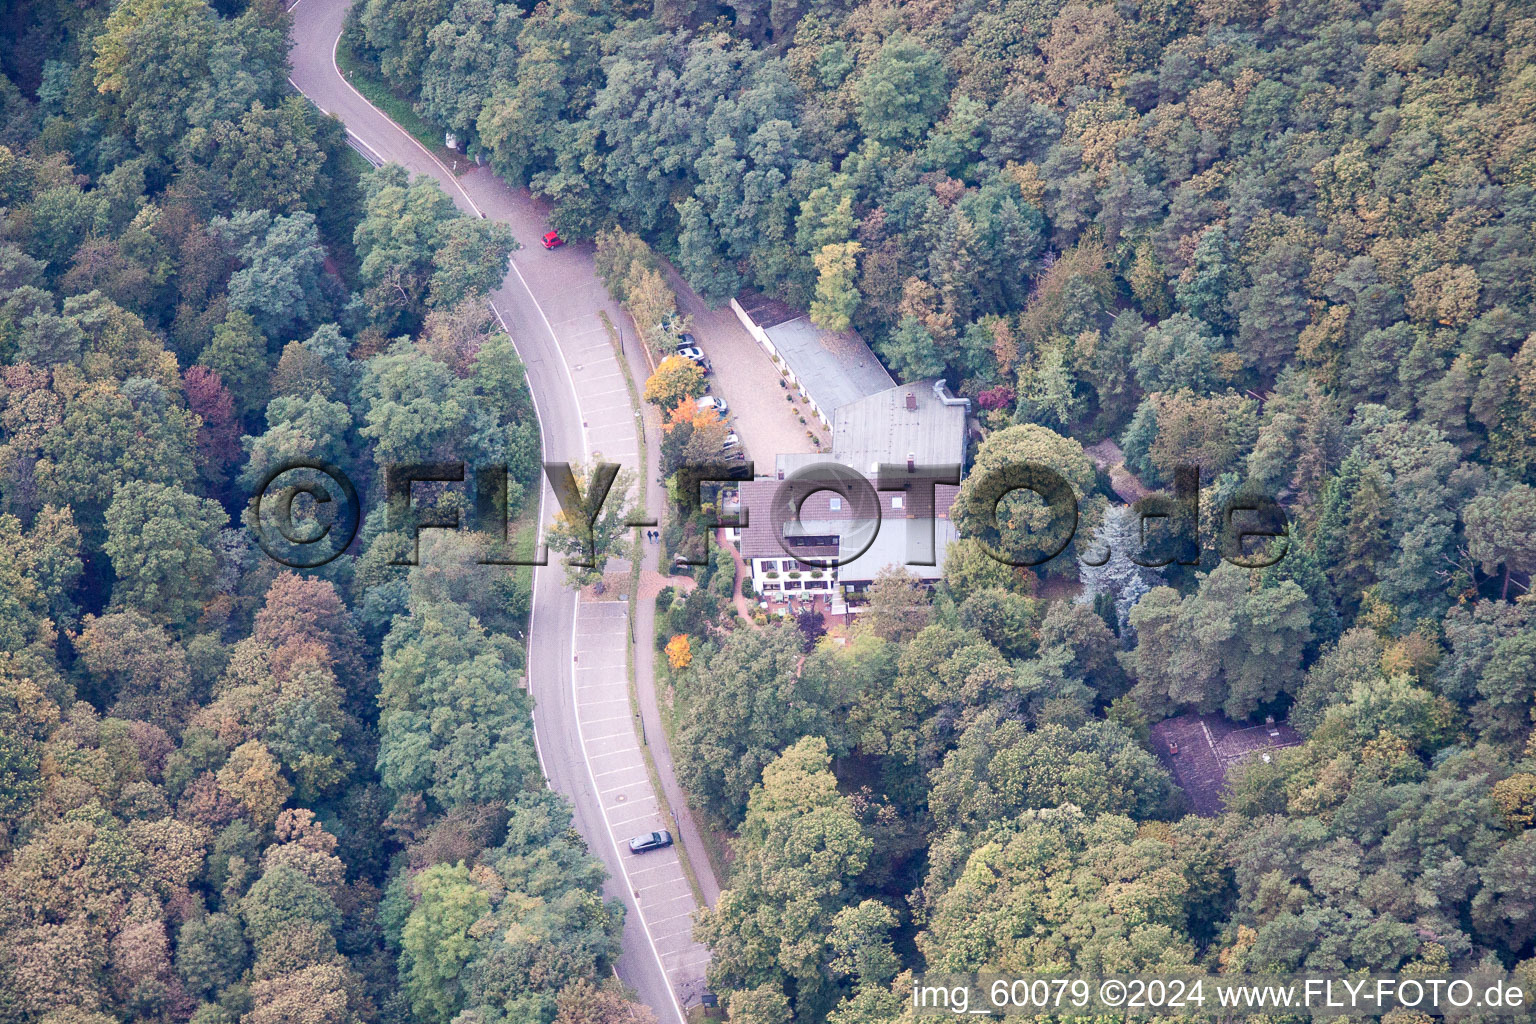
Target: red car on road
552, 240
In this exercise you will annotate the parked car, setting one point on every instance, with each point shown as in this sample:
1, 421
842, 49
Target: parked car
731, 443
686, 340
651, 841
552, 240
717, 404
691, 352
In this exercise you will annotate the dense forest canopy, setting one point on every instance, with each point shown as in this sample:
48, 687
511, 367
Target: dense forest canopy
1288, 243
1083, 210
230, 792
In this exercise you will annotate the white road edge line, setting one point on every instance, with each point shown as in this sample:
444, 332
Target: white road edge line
585, 447
618, 856
543, 440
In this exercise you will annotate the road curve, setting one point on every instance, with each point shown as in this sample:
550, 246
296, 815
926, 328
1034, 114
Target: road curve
550, 304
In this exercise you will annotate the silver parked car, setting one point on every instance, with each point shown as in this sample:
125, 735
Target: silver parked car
650, 841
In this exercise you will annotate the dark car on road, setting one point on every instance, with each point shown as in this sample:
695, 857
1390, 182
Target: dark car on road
650, 841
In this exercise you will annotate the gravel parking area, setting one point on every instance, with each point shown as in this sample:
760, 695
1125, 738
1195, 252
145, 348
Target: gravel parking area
747, 379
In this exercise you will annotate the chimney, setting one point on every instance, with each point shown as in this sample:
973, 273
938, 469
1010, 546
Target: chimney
911, 402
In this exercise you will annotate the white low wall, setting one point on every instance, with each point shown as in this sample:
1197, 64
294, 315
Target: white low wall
752, 328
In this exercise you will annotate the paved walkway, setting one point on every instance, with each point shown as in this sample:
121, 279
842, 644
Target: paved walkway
643, 639
744, 606
653, 583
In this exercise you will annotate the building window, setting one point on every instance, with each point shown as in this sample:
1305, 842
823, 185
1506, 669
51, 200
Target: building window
837, 503
792, 585
898, 501
767, 565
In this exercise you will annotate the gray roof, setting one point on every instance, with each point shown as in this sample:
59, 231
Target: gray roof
835, 369
819, 518
890, 548
882, 428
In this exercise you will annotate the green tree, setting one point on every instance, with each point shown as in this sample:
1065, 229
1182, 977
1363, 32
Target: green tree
552, 927
398, 34
837, 296
1504, 909
1501, 532
999, 769
591, 530
748, 702
900, 92
281, 265
1234, 644
898, 608
1180, 352
1009, 622
1022, 526
1213, 433
99, 438
268, 159
1005, 899
211, 953
699, 259
800, 851
453, 715
417, 409
154, 58
238, 354
471, 258
397, 240
1205, 294
861, 936
162, 543
297, 428
435, 944
618, 254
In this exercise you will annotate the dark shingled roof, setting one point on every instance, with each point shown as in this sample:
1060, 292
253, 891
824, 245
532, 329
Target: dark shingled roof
766, 312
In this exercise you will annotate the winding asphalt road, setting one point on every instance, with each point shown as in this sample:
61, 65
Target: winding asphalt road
551, 305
